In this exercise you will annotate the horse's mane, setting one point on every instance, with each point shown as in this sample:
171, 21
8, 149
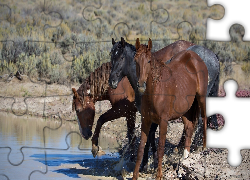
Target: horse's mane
156, 66
97, 81
131, 46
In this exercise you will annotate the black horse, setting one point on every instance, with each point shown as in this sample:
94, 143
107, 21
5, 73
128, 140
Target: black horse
123, 64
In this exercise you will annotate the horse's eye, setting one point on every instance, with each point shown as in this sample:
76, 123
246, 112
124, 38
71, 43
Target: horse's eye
149, 61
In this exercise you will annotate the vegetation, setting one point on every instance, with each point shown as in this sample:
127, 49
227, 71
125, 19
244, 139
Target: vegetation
63, 41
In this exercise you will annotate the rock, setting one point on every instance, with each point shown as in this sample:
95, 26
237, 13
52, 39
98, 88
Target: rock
18, 76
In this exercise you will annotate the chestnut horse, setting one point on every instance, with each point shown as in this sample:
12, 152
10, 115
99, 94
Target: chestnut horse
123, 64
176, 89
95, 88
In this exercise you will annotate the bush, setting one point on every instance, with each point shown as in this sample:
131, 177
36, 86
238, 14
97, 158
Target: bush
246, 67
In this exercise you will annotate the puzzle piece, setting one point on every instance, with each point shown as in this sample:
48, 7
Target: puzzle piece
59, 154
190, 13
233, 56
218, 30
227, 107
51, 17
123, 26
15, 156
5, 12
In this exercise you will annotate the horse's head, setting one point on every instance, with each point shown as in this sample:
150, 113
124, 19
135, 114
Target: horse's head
142, 58
84, 106
118, 70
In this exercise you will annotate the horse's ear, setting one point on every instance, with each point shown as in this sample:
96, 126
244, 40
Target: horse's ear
73, 102
123, 42
137, 44
74, 92
113, 41
149, 44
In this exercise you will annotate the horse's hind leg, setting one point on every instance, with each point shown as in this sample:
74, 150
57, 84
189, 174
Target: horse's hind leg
188, 130
202, 104
189, 119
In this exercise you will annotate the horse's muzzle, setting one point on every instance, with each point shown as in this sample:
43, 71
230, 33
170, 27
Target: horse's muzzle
141, 89
86, 133
113, 84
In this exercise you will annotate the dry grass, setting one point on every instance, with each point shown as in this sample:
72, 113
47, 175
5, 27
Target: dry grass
52, 61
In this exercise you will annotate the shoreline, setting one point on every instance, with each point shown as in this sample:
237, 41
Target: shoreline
52, 105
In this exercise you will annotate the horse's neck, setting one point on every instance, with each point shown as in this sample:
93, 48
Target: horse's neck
131, 69
155, 68
102, 97
132, 77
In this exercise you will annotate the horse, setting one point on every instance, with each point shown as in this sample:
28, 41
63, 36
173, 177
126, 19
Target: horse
176, 89
123, 64
95, 88
122, 59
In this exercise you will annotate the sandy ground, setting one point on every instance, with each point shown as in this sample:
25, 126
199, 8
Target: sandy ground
39, 99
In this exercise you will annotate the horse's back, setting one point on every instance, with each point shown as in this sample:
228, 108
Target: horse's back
180, 46
187, 68
169, 51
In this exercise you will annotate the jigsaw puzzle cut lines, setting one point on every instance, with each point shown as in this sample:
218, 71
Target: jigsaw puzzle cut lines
230, 18
49, 47
225, 136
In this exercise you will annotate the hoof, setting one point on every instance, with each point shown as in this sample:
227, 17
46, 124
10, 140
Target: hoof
158, 178
143, 168
185, 155
95, 150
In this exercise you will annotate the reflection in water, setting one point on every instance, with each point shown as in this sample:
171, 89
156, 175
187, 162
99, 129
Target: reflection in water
86, 165
28, 131
16, 132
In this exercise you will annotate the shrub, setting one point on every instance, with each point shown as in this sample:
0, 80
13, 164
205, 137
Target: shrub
246, 67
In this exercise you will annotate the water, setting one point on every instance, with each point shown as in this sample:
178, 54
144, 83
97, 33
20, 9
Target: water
37, 152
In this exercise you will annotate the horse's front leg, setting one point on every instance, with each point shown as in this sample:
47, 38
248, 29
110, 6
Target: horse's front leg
144, 133
150, 142
111, 114
161, 145
131, 118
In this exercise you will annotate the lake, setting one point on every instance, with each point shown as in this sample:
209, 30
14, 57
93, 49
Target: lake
30, 149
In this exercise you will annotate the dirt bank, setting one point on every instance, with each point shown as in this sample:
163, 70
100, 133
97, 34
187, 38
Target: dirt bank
40, 99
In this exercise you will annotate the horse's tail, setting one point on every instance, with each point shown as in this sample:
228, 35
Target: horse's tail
195, 115
215, 87
212, 120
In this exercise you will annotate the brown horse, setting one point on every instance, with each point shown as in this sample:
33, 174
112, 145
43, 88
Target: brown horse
95, 88
176, 89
